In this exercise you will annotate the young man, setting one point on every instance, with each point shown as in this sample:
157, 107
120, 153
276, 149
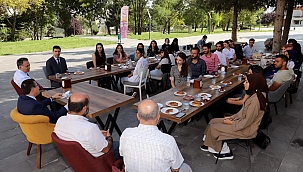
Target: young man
283, 75
56, 64
146, 148
210, 59
249, 49
21, 74
76, 127
28, 105
196, 64
221, 56
201, 42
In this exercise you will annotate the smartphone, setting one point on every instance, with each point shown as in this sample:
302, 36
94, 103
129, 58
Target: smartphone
180, 115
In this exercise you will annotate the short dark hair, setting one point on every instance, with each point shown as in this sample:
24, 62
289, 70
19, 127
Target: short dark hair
226, 41
27, 85
207, 45
220, 43
77, 106
230, 40
252, 39
20, 61
292, 41
204, 36
283, 57
195, 48
56, 47
256, 69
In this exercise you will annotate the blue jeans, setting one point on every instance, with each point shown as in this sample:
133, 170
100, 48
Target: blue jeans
115, 149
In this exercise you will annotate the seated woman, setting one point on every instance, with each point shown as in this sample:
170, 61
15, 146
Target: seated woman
99, 57
119, 55
153, 49
174, 46
179, 73
167, 46
291, 54
164, 60
142, 63
242, 125
133, 56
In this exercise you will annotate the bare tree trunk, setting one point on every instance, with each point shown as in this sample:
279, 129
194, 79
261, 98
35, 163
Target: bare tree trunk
287, 23
195, 27
168, 27
108, 30
235, 24
278, 26
227, 26
14, 26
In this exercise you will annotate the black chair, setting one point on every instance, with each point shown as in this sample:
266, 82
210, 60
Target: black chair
165, 68
110, 60
89, 65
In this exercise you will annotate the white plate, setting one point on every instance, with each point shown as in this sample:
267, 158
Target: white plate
212, 87
226, 83
191, 103
179, 103
176, 93
234, 66
208, 95
75, 73
192, 81
175, 111
160, 105
208, 76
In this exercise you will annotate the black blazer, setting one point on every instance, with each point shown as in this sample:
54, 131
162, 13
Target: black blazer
28, 106
52, 68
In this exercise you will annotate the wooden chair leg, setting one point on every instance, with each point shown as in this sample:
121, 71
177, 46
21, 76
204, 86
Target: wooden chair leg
290, 98
38, 156
275, 104
29, 147
286, 99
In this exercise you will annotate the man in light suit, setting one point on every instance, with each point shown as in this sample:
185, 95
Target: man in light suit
56, 64
28, 105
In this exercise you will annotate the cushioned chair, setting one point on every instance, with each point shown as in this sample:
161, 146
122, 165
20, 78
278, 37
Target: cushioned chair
143, 73
45, 74
275, 96
81, 160
16, 87
37, 130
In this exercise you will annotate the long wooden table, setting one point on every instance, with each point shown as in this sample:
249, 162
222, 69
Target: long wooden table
216, 95
101, 101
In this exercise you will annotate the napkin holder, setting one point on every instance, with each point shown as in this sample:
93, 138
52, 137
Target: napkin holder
197, 83
107, 67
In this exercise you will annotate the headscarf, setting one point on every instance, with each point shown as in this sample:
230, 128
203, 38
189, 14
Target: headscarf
292, 55
257, 84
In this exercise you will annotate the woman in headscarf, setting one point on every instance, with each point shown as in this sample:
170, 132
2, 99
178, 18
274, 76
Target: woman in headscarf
291, 54
242, 125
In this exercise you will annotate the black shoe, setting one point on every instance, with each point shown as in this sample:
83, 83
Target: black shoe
224, 156
204, 148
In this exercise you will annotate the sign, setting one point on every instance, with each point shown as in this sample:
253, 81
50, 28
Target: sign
124, 22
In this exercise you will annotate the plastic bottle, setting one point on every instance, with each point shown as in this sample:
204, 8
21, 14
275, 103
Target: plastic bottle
188, 80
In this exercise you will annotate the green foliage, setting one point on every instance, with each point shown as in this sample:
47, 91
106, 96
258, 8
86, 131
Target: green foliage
95, 29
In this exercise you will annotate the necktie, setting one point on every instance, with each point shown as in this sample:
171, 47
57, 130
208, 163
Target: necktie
40, 87
59, 64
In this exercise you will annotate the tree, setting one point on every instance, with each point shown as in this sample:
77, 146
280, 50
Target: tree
290, 9
268, 18
278, 25
15, 8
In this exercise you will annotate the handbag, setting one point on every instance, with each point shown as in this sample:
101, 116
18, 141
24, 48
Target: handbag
261, 140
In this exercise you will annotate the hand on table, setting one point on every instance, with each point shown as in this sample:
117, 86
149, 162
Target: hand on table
57, 96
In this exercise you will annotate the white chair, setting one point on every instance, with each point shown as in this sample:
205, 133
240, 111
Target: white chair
143, 74
172, 59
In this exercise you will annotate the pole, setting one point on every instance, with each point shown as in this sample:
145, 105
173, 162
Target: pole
149, 16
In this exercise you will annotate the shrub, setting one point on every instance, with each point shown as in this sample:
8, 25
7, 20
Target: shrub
74, 28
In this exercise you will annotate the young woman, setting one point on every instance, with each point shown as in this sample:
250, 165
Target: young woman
229, 52
243, 124
164, 60
142, 63
133, 57
291, 54
179, 73
153, 49
167, 46
99, 57
119, 55
174, 46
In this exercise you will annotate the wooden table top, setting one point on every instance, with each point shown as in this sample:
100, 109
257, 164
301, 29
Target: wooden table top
168, 95
92, 74
101, 100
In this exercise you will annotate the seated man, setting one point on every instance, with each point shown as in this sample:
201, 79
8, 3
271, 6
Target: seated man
56, 64
283, 75
146, 148
22, 73
28, 105
75, 127
249, 49
211, 59
197, 65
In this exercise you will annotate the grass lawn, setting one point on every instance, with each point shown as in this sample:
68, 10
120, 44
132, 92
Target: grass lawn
21, 47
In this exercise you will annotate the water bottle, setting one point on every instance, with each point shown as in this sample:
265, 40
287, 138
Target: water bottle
240, 77
223, 70
188, 80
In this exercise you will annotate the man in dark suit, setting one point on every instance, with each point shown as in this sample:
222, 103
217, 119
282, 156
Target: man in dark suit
56, 64
28, 105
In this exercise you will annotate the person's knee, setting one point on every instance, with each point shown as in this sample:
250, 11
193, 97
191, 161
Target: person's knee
185, 168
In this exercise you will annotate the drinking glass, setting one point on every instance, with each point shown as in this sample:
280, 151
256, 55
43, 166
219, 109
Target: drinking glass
185, 105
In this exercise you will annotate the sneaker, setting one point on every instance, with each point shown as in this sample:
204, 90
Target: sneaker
204, 148
224, 156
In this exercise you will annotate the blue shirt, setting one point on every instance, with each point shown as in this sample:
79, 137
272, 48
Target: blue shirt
248, 52
197, 69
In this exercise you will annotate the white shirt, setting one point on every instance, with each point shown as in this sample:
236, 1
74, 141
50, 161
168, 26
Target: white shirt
229, 53
146, 148
290, 65
141, 63
221, 57
78, 128
20, 76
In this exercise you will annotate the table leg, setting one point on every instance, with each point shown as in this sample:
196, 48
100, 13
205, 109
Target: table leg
100, 122
113, 120
161, 126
